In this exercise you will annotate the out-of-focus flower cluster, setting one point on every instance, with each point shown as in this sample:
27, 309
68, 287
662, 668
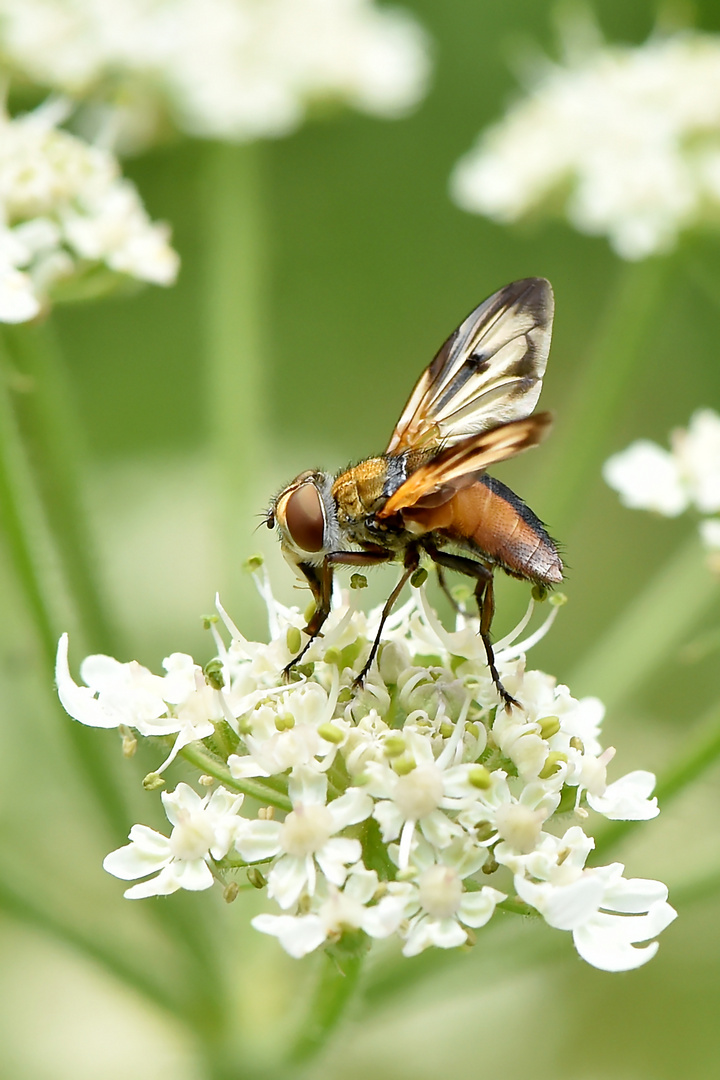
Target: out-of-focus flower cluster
228, 69
69, 222
648, 477
624, 140
411, 808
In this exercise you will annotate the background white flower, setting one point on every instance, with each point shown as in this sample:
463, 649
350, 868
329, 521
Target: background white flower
625, 139
66, 214
647, 477
228, 69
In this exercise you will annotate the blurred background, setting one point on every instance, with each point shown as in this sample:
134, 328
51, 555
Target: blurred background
364, 267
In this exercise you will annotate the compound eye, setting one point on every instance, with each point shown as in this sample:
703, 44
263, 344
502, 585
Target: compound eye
304, 518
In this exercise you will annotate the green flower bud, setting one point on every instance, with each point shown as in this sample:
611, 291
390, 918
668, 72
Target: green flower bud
480, 777
213, 674
256, 878
419, 577
394, 746
549, 726
153, 781
553, 762
404, 764
330, 733
293, 640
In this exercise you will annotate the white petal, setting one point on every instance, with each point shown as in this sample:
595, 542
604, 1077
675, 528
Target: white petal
307, 786
134, 861
444, 933
193, 875
606, 941
355, 805
564, 907
477, 908
181, 802
79, 701
287, 879
334, 857
163, 885
256, 840
647, 478
627, 799
298, 934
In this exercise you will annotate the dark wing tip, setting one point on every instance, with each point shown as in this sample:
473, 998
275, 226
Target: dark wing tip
535, 293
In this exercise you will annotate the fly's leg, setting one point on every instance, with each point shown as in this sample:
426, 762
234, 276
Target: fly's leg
485, 597
442, 582
320, 580
412, 561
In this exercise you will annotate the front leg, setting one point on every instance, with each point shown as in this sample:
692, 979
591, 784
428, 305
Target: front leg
320, 580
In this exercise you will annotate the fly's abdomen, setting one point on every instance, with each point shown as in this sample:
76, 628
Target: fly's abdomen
489, 515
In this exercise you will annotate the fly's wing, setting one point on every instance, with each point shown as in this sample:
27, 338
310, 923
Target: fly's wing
488, 373
459, 465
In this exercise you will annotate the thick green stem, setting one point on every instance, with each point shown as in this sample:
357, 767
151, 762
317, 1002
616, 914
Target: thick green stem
681, 773
337, 983
256, 789
34, 559
579, 445
650, 628
51, 433
235, 318
25, 531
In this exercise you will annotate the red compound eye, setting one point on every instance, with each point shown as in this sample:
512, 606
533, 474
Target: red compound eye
304, 518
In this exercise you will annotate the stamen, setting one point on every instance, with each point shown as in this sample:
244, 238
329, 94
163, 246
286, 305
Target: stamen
523, 646
509, 638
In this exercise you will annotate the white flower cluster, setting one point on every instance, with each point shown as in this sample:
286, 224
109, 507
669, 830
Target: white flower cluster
228, 69
626, 140
410, 808
670, 481
66, 214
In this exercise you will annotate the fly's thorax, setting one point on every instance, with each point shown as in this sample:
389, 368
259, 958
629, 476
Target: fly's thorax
360, 491
305, 515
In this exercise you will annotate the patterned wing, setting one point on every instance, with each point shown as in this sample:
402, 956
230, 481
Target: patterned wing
488, 373
458, 465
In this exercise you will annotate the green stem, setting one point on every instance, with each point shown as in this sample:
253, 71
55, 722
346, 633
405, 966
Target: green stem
578, 446
35, 563
26, 534
254, 788
335, 990
704, 754
50, 431
653, 625
235, 275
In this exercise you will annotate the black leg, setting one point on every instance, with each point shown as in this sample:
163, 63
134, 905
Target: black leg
320, 580
444, 586
485, 597
412, 561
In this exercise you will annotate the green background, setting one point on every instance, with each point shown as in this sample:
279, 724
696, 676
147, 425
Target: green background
367, 266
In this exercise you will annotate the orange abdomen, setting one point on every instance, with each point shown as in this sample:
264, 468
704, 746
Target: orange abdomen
489, 515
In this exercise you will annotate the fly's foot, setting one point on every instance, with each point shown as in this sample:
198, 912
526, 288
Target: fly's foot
508, 700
